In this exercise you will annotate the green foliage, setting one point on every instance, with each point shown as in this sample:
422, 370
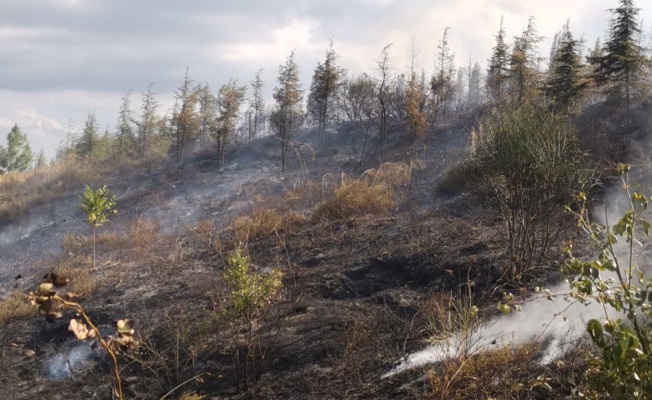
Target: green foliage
613, 280
287, 117
620, 67
87, 146
98, 205
523, 63
498, 70
249, 293
566, 84
248, 298
529, 162
229, 102
17, 156
325, 82
41, 162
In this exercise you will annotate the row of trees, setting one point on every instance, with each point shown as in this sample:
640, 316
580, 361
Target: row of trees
383, 104
618, 71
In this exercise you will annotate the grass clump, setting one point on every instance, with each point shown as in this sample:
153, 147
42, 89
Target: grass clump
507, 373
81, 282
263, 219
356, 198
13, 307
143, 232
256, 223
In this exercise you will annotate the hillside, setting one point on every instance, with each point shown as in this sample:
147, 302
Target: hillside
372, 273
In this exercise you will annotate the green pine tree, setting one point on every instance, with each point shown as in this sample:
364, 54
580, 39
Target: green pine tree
287, 117
325, 81
619, 69
40, 160
87, 144
17, 156
523, 72
498, 66
566, 83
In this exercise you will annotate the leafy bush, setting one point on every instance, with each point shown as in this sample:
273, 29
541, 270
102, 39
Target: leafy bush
248, 297
613, 280
97, 205
529, 163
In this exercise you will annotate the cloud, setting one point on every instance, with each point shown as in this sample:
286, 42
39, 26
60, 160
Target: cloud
294, 36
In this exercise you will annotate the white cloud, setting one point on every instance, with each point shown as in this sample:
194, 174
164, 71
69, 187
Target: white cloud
15, 32
295, 35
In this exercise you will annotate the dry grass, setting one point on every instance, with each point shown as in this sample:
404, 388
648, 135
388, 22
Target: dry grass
72, 242
392, 174
192, 396
304, 195
262, 220
375, 192
143, 232
21, 192
507, 373
109, 240
356, 198
81, 282
15, 306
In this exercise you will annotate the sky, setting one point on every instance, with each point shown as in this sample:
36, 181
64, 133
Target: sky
61, 59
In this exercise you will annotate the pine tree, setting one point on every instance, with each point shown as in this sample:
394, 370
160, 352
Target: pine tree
474, 94
325, 81
619, 69
523, 63
86, 146
257, 105
229, 100
416, 117
442, 86
287, 118
207, 113
566, 83
40, 160
498, 71
124, 130
147, 121
185, 120
383, 95
17, 156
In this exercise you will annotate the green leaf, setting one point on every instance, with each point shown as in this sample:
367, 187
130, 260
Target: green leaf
646, 227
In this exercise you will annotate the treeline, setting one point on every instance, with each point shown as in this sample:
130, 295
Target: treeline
385, 104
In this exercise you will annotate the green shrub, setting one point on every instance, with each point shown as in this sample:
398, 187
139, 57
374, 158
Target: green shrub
248, 298
529, 163
623, 367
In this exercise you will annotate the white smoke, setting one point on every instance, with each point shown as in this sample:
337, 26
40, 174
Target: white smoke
64, 364
559, 323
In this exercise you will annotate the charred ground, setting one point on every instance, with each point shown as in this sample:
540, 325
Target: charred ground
357, 290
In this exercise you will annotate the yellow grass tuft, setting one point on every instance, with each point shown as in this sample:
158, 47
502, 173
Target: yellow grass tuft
81, 281
15, 306
356, 198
